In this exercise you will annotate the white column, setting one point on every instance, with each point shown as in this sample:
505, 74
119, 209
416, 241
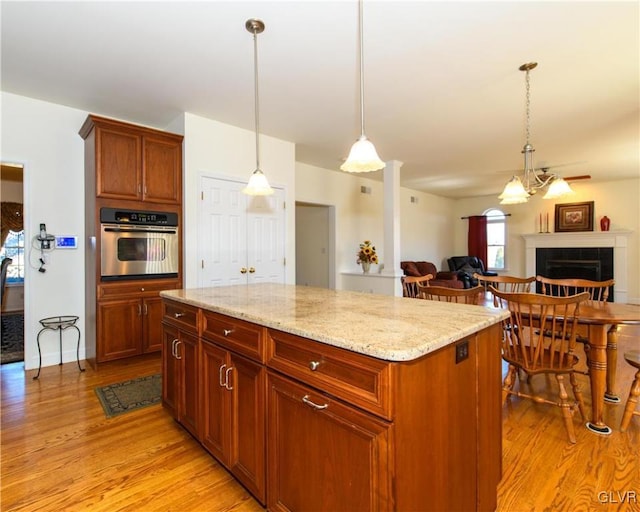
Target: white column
391, 262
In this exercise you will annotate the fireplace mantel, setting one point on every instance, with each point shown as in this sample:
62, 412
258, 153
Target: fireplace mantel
617, 239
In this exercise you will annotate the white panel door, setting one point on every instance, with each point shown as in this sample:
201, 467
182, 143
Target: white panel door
241, 239
265, 238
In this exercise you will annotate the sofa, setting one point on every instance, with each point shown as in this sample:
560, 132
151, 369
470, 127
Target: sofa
466, 266
422, 268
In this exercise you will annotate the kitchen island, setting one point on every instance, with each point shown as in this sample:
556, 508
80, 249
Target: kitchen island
319, 399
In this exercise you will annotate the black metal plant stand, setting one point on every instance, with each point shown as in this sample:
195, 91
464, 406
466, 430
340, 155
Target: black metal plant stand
58, 323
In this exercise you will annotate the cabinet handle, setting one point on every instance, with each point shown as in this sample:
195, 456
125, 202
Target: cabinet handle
178, 343
141, 289
226, 379
173, 347
317, 407
313, 365
178, 315
139, 188
146, 309
243, 270
251, 270
227, 331
222, 384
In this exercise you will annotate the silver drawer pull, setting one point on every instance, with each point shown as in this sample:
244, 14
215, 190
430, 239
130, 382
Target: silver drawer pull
222, 384
313, 365
178, 315
317, 407
227, 331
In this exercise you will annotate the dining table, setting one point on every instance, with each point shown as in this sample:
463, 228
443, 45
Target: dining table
600, 323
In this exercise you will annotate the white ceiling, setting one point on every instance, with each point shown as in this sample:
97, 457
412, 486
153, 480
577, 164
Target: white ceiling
443, 92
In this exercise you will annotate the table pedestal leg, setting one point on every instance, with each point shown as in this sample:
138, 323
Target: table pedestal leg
598, 373
612, 365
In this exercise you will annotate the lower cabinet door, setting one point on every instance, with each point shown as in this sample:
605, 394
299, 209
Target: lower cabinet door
152, 324
247, 450
189, 406
324, 455
215, 399
170, 370
120, 329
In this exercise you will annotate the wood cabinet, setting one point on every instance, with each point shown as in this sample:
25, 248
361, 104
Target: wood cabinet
135, 163
180, 366
233, 398
136, 168
304, 425
324, 454
129, 318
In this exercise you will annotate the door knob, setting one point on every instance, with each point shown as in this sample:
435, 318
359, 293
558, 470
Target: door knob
243, 270
251, 270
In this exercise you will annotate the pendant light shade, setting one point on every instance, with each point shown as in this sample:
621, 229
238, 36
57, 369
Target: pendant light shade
558, 188
363, 156
258, 184
518, 190
514, 192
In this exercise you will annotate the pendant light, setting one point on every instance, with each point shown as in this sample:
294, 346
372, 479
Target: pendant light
363, 156
258, 184
519, 190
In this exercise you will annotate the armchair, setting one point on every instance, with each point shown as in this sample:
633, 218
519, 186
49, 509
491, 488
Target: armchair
466, 266
422, 268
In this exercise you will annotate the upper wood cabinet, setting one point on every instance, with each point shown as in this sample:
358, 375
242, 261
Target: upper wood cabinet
134, 162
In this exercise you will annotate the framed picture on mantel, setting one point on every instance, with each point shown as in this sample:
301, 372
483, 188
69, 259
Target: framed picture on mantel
574, 217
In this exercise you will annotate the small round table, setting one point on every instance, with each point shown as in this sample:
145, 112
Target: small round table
58, 323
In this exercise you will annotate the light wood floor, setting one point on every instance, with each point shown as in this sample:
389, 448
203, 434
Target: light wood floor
59, 452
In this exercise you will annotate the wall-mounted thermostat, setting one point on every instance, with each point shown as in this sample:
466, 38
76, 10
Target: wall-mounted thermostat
66, 242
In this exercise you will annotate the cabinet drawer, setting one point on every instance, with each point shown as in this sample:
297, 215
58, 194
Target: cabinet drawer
242, 337
358, 379
180, 315
148, 288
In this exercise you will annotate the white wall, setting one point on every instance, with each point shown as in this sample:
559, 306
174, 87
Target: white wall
426, 227
217, 149
618, 200
44, 138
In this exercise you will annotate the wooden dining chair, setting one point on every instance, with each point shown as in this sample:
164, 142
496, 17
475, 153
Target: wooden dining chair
598, 294
598, 290
633, 358
503, 283
458, 295
410, 285
540, 337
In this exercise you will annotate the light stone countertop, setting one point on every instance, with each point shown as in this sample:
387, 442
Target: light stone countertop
385, 327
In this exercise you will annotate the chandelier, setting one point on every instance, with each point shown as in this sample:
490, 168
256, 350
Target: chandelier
519, 190
258, 184
363, 156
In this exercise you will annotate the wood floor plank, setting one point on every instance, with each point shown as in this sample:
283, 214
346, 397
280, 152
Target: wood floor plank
59, 452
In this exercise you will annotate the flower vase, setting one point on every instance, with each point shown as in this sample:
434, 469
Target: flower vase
604, 223
365, 267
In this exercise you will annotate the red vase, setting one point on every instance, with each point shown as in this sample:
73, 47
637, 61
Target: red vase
604, 223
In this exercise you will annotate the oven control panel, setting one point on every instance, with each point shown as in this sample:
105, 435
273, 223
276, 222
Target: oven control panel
143, 218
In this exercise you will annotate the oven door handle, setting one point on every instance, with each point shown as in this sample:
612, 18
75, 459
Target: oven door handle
141, 230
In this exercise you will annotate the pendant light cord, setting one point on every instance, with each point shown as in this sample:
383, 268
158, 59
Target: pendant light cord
528, 104
360, 24
257, 104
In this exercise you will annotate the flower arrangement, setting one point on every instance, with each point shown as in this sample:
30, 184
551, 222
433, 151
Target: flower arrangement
367, 253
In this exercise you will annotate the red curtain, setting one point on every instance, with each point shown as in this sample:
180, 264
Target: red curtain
477, 241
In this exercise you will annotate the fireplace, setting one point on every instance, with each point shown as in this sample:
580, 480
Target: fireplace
563, 250
593, 263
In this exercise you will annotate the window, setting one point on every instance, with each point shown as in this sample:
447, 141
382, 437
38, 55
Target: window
496, 239
14, 248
